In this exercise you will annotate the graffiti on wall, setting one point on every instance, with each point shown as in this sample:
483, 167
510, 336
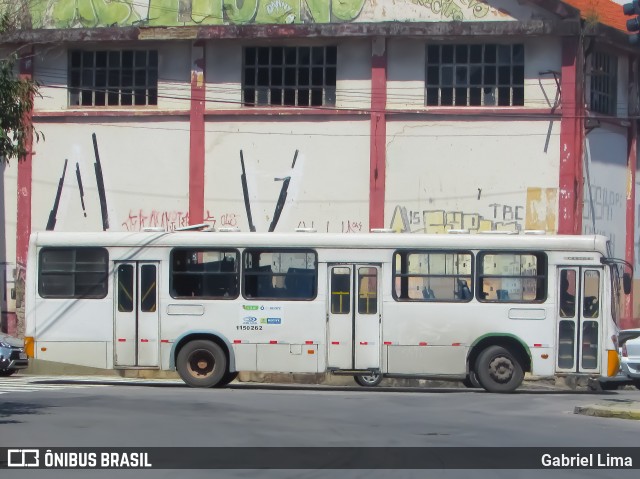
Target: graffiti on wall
538, 213
170, 220
603, 211
110, 13
337, 226
451, 10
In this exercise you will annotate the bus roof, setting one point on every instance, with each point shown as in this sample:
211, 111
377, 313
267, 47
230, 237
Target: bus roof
594, 243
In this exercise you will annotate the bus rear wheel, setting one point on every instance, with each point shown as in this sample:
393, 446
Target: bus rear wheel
201, 363
368, 380
226, 379
498, 370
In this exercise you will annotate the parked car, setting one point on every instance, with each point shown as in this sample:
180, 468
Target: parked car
12, 355
629, 373
630, 357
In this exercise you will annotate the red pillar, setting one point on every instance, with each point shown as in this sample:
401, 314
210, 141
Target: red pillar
23, 213
378, 148
570, 200
197, 135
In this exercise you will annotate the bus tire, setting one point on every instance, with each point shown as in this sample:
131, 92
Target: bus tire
498, 370
226, 379
368, 380
201, 363
471, 381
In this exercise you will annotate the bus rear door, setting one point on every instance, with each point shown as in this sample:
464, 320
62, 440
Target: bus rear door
354, 317
136, 327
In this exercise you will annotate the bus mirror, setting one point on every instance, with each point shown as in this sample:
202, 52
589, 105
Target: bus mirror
626, 283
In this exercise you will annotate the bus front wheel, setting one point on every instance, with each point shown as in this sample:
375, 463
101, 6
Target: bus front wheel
201, 363
498, 370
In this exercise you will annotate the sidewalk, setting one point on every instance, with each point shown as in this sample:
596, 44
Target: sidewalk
616, 408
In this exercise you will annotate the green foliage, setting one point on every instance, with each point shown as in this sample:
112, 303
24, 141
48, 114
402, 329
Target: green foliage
16, 102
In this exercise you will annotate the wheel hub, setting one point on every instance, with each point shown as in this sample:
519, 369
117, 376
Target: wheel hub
201, 363
501, 369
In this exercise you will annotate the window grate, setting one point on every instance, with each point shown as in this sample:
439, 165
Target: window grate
113, 78
603, 83
475, 75
289, 76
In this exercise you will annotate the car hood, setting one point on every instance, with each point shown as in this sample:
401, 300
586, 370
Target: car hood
14, 342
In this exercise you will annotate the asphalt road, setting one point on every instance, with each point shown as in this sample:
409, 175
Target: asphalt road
93, 413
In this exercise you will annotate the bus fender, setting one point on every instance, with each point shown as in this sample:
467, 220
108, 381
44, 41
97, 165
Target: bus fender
202, 334
500, 339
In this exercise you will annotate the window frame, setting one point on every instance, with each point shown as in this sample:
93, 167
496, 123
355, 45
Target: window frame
463, 62
102, 69
246, 272
603, 85
73, 273
255, 67
202, 274
406, 252
544, 277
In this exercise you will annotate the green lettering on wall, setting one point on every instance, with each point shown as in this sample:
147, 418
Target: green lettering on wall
206, 12
320, 10
64, 13
164, 13
103, 13
243, 14
346, 9
278, 11
87, 13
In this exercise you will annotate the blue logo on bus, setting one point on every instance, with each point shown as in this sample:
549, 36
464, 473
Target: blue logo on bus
274, 320
249, 320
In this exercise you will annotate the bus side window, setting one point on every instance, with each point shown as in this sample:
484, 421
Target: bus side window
264, 286
300, 283
502, 294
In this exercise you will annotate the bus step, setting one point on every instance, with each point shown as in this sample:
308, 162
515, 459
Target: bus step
354, 372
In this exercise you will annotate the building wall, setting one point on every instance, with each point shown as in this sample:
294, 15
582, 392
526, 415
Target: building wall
605, 192
445, 168
474, 175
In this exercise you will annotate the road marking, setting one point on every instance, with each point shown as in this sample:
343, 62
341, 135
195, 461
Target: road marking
21, 384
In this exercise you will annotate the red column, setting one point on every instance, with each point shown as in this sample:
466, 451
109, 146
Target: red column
23, 213
378, 149
197, 135
627, 320
571, 140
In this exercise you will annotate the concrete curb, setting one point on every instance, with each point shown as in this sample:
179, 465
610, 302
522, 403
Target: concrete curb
620, 409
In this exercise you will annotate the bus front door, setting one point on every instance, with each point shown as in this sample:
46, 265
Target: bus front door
579, 319
354, 317
136, 327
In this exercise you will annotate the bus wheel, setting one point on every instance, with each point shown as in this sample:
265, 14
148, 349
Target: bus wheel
471, 381
201, 364
368, 380
498, 370
226, 379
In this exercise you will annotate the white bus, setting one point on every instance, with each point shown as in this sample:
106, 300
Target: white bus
483, 308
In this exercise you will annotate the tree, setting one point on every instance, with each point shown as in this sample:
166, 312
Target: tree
16, 97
